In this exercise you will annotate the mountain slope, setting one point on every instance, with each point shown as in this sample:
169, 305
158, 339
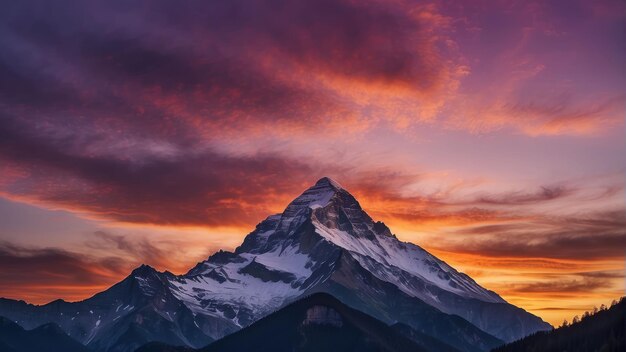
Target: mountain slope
604, 331
301, 244
137, 310
315, 323
45, 338
359, 288
322, 242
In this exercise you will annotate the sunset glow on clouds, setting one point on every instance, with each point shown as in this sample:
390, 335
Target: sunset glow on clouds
489, 132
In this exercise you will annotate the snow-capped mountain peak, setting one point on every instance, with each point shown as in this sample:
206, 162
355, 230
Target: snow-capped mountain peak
324, 219
318, 195
329, 182
322, 241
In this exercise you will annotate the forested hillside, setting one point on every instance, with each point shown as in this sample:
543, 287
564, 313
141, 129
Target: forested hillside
600, 331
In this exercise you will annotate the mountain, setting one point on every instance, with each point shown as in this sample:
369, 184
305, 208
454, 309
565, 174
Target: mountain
137, 310
319, 322
604, 331
45, 338
322, 242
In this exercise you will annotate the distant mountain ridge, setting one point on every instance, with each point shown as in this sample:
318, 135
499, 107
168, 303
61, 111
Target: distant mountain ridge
45, 338
322, 242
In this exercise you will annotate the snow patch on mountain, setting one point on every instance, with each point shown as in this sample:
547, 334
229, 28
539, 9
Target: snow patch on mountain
240, 288
389, 252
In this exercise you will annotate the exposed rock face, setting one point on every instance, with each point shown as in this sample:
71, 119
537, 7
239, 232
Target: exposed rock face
322, 315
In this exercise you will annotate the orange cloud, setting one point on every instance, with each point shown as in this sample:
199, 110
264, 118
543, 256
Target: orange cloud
40, 275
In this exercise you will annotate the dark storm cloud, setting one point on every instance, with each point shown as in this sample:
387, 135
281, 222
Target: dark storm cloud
584, 282
139, 248
41, 274
593, 236
204, 61
544, 194
207, 188
24, 266
110, 107
146, 250
570, 286
507, 224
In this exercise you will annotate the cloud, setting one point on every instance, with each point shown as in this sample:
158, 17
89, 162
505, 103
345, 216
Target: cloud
206, 188
546, 193
571, 220
42, 274
122, 111
595, 236
230, 67
547, 116
139, 248
414, 199
208, 72
580, 283
537, 70
157, 252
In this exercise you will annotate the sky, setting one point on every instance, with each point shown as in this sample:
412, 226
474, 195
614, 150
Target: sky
490, 133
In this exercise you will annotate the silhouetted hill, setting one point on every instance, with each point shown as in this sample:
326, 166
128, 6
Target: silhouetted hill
319, 322
45, 338
604, 331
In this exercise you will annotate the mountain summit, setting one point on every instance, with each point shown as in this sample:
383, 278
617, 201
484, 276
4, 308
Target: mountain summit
328, 182
322, 242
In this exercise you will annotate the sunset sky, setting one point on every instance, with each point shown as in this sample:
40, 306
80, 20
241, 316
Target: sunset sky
491, 133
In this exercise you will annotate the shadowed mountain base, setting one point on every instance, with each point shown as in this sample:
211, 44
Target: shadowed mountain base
316, 323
